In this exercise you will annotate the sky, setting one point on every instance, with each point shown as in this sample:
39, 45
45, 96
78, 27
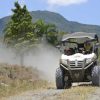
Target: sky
83, 11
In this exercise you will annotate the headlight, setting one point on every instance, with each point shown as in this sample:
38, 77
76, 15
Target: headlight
88, 60
63, 61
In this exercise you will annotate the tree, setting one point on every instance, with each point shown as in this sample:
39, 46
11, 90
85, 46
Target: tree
52, 34
39, 28
49, 30
19, 32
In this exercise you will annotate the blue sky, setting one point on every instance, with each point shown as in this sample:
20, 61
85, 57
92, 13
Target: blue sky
83, 11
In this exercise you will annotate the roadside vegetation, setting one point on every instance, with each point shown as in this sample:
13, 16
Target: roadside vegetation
15, 79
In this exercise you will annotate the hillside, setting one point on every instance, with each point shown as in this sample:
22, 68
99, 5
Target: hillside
57, 19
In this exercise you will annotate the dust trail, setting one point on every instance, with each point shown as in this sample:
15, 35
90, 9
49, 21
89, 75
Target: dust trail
44, 57
7, 55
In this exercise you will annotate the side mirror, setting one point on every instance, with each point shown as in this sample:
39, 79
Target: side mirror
58, 46
97, 45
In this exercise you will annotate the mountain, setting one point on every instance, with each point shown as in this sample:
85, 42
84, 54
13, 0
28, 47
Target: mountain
57, 19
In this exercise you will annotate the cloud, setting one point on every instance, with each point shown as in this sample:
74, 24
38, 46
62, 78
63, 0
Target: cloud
65, 2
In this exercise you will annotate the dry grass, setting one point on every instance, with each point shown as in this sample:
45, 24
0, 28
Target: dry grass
15, 79
20, 86
76, 93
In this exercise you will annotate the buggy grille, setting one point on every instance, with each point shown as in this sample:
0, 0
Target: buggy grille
76, 64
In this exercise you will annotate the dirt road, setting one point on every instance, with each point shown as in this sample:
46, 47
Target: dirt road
95, 95
75, 93
37, 95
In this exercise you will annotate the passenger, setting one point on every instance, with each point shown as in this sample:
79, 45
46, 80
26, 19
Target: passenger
87, 47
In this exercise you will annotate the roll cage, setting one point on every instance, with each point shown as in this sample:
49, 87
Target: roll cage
92, 38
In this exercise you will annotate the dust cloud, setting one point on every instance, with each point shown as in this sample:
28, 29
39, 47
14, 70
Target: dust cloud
7, 55
43, 57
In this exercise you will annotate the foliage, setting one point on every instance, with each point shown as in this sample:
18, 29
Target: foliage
19, 31
52, 34
39, 27
49, 30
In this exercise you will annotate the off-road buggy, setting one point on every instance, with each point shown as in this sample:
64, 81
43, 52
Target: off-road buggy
77, 64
